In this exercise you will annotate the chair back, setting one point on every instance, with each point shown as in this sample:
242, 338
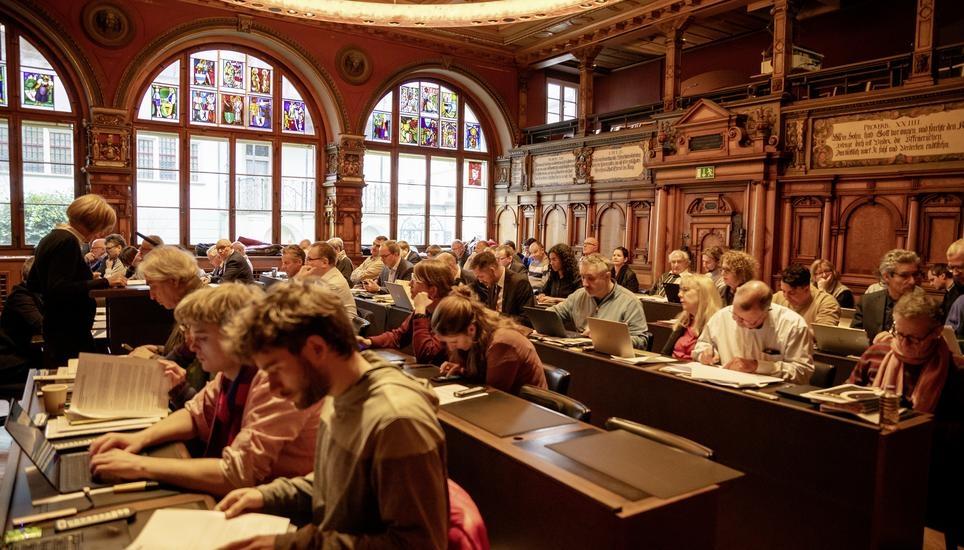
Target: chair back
362, 321
660, 436
555, 402
466, 528
557, 379
823, 374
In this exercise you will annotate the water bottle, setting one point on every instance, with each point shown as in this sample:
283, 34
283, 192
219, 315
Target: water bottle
889, 407
274, 272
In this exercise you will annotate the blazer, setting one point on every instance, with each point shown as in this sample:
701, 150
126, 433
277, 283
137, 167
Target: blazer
516, 294
402, 273
626, 278
466, 277
413, 257
345, 266
236, 268
518, 267
875, 314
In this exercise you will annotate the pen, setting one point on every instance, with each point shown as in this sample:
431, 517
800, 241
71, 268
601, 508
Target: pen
763, 395
115, 489
127, 347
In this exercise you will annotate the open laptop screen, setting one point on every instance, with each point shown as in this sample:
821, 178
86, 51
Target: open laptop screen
31, 439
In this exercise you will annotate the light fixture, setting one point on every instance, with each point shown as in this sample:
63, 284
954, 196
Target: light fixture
431, 13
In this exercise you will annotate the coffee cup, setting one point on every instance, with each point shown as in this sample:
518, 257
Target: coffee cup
54, 398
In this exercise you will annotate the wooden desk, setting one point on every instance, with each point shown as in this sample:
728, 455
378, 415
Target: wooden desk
384, 316
845, 364
812, 480
133, 318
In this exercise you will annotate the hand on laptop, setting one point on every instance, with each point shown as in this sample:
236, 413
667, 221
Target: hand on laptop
238, 501
131, 443
741, 364
117, 464
420, 303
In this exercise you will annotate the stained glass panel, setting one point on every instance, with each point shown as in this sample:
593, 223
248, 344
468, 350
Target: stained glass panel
203, 107
385, 103
293, 113
290, 93
203, 71
3, 83
408, 98
449, 134
259, 112
41, 87
428, 137
450, 104
259, 81
408, 130
430, 95
474, 139
232, 74
380, 127
163, 102
232, 109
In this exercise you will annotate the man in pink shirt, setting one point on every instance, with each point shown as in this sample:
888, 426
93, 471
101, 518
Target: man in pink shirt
247, 436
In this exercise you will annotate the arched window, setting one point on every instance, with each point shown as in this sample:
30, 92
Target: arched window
38, 129
221, 135
427, 166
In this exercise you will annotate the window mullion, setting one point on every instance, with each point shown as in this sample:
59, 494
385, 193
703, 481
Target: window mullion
232, 187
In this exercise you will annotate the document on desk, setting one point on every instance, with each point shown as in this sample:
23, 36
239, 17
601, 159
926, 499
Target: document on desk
118, 386
203, 529
721, 376
446, 393
62, 373
647, 359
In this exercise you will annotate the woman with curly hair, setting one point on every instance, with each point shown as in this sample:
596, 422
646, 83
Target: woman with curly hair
483, 346
737, 268
563, 277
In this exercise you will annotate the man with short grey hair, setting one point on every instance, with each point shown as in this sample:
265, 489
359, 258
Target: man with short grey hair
343, 262
899, 270
602, 298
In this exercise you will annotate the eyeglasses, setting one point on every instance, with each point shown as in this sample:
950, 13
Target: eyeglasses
310, 259
909, 338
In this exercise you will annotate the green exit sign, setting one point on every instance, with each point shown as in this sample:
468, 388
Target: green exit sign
705, 172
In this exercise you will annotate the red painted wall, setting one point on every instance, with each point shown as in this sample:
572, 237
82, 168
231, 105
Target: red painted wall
638, 85
860, 33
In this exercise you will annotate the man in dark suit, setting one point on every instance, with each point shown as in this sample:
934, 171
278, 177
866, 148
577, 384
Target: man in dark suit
899, 270
458, 250
396, 268
342, 262
235, 267
503, 290
507, 258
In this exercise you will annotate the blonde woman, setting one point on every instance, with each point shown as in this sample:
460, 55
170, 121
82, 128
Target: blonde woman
483, 346
824, 276
700, 300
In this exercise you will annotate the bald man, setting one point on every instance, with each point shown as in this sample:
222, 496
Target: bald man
758, 336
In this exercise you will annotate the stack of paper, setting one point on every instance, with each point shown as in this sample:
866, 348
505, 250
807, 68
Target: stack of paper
202, 529
62, 374
446, 393
721, 376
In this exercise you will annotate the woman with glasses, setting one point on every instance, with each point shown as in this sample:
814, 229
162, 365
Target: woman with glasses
736, 268
622, 274
824, 276
483, 346
700, 300
431, 281
563, 277
913, 361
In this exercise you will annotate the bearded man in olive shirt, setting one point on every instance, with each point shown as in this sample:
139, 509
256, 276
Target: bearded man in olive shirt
379, 478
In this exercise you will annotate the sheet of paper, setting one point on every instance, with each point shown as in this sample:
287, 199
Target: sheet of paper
136, 282
60, 427
721, 376
644, 359
203, 529
446, 393
118, 386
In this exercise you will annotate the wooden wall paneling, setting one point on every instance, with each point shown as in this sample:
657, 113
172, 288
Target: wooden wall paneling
579, 228
708, 222
940, 225
786, 221
507, 225
639, 231
825, 236
804, 237
867, 223
527, 222
658, 248
612, 228
554, 226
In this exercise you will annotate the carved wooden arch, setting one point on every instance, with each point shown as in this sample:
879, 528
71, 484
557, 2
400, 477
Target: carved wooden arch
942, 199
621, 231
808, 201
498, 222
503, 209
544, 222
872, 200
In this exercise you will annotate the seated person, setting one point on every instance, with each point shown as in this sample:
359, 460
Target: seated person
700, 300
458, 250
563, 278
507, 258
96, 254
217, 263
292, 260
602, 298
459, 276
710, 259
240, 248
899, 270
737, 268
590, 246
149, 243
622, 273
304, 244
379, 476
537, 266
915, 362
813, 304
431, 282
234, 265
480, 246
372, 267
483, 346
940, 278
955, 264
247, 436
127, 256
754, 335
320, 267
502, 290
342, 261
408, 253
20, 321
679, 263
824, 276
395, 268
112, 265
432, 251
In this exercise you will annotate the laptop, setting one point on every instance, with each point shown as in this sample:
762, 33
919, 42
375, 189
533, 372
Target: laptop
66, 472
548, 323
400, 295
612, 337
672, 292
840, 340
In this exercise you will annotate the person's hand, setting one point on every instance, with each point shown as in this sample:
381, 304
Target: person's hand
305, 271
370, 285
740, 364
709, 357
883, 337
117, 464
118, 281
365, 342
264, 542
173, 372
585, 333
420, 303
449, 368
97, 275
132, 443
146, 351
542, 299
89, 257
237, 501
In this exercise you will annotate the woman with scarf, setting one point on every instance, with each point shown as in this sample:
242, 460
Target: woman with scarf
64, 280
915, 362
243, 434
485, 347
431, 281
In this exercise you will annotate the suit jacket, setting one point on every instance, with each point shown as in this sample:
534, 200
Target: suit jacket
516, 294
518, 267
413, 257
236, 268
346, 267
466, 277
626, 278
402, 273
874, 314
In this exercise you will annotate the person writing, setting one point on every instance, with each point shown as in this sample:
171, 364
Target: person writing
563, 277
700, 300
622, 273
247, 435
484, 347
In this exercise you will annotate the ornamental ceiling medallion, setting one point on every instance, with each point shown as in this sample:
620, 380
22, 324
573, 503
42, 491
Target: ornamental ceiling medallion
422, 13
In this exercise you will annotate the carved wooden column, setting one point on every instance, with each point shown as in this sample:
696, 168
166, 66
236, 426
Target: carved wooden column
523, 98
786, 231
757, 221
825, 236
657, 255
108, 166
673, 33
343, 188
783, 16
922, 66
913, 223
587, 61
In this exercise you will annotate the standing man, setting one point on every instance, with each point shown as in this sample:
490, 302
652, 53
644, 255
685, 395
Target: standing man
755, 335
813, 304
343, 262
379, 478
500, 289
899, 269
372, 266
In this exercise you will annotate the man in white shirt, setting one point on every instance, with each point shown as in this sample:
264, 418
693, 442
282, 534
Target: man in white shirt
320, 262
755, 335
538, 270
371, 267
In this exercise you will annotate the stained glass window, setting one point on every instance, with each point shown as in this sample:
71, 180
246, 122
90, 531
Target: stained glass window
41, 86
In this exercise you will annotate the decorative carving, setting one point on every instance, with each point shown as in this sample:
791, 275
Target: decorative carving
794, 144
331, 159
760, 121
813, 202
583, 164
109, 139
710, 206
737, 233
941, 199
107, 24
244, 23
640, 205
350, 157
502, 177
354, 65
578, 207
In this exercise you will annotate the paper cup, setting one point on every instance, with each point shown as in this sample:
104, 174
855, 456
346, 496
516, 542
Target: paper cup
54, 397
